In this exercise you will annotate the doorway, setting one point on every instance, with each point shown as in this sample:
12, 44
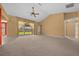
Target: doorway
4, 31
25, 28
76, 30
71, 29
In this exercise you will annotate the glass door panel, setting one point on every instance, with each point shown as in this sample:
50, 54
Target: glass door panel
24, 28
4, 34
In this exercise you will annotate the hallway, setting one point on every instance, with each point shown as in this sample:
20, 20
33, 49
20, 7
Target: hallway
39, 45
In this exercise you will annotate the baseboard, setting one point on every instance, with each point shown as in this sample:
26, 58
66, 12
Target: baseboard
12, 36
73, 39
67, 37
55, 36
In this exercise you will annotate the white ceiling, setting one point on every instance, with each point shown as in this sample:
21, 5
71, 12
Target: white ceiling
24, 9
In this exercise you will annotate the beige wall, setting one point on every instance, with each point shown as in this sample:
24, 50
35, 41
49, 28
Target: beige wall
53, 25
37, 24
12, 26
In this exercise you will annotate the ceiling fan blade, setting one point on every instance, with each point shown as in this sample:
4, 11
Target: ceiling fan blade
36, 13
33, 9
39, 4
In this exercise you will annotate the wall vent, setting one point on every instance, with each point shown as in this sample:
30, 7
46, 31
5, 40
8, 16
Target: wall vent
70, 5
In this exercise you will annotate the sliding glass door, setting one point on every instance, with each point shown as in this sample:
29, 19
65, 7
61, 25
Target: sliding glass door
71, 29
24, 28
4, 32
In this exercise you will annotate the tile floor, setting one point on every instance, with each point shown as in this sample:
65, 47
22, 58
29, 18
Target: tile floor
40, 45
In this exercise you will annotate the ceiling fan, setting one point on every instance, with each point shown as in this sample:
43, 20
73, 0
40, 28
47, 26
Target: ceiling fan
33, 12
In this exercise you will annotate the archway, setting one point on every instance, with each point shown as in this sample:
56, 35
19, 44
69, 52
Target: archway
25, 28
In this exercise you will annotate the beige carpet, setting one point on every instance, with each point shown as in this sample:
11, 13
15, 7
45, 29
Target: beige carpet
36, 45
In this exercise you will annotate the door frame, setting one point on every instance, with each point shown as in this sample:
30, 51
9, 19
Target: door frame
5, 34
0, 28
74, 20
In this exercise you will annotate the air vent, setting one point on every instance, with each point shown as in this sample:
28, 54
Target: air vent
70, 5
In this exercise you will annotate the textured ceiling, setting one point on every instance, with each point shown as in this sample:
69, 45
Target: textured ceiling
24, 9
